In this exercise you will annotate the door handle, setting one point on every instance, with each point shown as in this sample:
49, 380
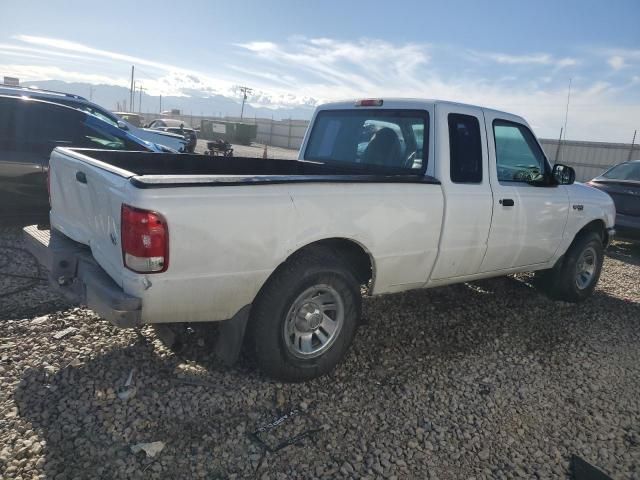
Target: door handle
507, 202
81, 177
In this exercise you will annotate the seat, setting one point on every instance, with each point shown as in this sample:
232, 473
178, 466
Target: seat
383, 149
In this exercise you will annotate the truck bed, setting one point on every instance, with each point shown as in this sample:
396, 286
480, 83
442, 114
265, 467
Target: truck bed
162, 170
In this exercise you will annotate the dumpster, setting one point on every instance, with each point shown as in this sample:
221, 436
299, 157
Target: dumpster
232, 132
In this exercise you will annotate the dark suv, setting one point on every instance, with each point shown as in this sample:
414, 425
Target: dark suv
29, 130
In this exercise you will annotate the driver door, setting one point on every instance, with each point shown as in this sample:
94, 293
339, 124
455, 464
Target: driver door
528, 221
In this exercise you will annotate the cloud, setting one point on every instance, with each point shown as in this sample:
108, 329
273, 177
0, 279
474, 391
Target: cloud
303, 72
53, 44
526, 59
38, 72
617, 62
361, 64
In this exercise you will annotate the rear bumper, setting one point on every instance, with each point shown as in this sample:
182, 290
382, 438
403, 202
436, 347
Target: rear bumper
75, 274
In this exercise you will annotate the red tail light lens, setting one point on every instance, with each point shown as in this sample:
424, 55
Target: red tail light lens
145, 240
369, 102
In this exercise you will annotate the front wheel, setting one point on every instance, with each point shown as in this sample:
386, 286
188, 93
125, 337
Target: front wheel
576, 277
304, 319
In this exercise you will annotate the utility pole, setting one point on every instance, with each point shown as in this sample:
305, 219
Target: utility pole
140, 101
160, 103
245, 91
90, 93
131, 90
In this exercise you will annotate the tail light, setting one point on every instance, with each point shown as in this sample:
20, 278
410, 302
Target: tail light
369, 102
145, 240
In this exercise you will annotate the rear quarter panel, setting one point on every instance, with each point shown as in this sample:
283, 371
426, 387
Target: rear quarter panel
226, 241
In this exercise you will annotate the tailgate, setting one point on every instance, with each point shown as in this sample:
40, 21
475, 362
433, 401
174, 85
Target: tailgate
86, 198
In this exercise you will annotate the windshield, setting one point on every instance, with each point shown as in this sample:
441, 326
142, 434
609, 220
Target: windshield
624, 171
100, 115
382, 137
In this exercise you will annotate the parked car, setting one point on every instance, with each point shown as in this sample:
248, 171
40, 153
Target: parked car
284, 247
171, 141
29, 130
133, 118
179, 128
622, 183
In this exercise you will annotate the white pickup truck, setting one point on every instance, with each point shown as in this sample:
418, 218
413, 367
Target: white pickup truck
386, 196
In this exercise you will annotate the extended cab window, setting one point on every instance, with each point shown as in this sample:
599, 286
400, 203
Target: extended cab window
519, 158
381, 137
465, 149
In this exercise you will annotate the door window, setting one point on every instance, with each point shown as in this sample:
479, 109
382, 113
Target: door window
519, 158
465, 149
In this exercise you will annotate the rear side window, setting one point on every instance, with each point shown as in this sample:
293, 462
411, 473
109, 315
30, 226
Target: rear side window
465, 149
40, 127
376, 137
7, 124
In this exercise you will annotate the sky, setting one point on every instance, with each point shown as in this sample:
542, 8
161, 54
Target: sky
511, 55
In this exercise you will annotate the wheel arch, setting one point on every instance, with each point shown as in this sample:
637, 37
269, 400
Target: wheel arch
594, 226
597, 226
352, 253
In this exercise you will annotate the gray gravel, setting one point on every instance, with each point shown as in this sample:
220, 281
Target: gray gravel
485, 380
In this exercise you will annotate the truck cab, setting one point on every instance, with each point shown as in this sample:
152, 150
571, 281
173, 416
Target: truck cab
504, 208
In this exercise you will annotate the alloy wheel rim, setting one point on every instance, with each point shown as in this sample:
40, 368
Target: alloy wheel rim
586, 268
313, 322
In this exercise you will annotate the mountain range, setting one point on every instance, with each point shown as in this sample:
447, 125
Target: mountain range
193, 102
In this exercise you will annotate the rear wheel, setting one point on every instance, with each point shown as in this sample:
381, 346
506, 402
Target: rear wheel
576, 277
305, 317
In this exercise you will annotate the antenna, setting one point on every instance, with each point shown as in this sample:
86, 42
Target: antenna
633, 142
557, 160
566, 113
245, 91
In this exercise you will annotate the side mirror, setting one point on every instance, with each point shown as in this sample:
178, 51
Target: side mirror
563, 174
122, 125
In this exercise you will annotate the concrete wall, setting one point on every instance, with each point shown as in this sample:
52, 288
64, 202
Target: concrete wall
276, 133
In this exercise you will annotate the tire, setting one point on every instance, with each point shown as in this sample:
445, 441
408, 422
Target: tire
568, 281
292, 340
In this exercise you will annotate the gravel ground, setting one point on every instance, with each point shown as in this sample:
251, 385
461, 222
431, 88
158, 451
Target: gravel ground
485, 380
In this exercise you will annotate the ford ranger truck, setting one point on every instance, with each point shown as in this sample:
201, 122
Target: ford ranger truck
387, 195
